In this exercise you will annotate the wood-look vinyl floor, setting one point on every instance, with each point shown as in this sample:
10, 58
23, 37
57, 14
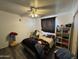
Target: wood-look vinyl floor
18, 52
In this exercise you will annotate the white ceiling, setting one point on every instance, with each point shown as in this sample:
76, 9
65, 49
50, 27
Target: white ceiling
45, 7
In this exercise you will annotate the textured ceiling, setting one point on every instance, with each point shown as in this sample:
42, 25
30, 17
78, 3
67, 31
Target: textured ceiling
45, 7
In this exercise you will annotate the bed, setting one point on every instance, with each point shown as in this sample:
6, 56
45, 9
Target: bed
38, 47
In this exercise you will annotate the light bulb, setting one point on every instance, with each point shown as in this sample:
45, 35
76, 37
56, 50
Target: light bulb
36, 15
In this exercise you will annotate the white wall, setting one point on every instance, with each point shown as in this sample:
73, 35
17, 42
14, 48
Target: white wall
10, 23
64, 19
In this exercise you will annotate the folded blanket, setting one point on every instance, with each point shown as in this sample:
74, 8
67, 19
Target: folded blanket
49, 40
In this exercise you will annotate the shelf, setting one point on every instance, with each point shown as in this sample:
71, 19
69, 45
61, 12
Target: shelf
66, 33
59, 37
67, 41
59, 42
58, 32
66, 44
58, 47
63, 37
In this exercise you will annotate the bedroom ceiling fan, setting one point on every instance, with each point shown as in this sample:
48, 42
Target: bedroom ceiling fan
33, 12
37, 11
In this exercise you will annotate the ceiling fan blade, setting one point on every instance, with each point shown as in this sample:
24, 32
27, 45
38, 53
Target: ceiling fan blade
44, 11
47, 7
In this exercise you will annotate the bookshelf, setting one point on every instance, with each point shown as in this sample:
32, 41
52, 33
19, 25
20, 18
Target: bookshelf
63, 36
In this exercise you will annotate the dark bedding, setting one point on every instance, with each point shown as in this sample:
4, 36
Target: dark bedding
39, 49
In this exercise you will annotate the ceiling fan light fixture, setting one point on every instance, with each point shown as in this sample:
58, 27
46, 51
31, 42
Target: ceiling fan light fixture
34, 15
33, 12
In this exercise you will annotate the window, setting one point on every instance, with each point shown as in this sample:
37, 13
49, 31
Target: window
48, 24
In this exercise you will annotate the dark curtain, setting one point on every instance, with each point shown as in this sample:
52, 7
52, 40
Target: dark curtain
48, 24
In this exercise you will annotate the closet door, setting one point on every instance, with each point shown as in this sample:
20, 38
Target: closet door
75, 34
